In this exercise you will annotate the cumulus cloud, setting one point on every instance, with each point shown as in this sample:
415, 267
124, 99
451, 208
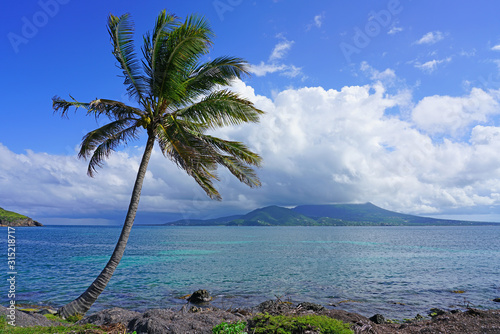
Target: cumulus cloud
319, 146
431, 38
449, 115
496, 48
340, 146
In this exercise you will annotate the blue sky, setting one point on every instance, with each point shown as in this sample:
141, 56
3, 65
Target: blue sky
393, 102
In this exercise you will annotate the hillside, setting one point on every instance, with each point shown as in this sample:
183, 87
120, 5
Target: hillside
272, 216
204, 222
370, 214
326, 215
9, 218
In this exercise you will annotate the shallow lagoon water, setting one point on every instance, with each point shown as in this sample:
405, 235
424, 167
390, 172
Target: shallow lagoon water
396, 271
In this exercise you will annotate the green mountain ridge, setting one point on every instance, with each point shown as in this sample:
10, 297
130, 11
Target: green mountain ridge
366, 214
272, 216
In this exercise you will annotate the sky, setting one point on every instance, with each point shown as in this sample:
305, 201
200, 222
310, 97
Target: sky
393, 102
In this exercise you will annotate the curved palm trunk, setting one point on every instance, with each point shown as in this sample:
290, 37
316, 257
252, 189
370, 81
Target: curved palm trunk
83, 303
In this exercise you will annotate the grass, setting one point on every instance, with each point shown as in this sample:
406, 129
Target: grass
10, 216
282, 324
5, 328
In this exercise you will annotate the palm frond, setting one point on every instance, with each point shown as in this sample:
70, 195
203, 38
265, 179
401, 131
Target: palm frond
153, 44
204, 180
178, 55
236, 149
62, 106
98, 144
221, 108
241, 171
191, 154
121, 31
218, 72
112, 109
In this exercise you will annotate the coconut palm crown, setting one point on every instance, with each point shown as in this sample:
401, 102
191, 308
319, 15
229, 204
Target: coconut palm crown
179, 98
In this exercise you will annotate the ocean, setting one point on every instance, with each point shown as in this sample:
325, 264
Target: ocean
395, 271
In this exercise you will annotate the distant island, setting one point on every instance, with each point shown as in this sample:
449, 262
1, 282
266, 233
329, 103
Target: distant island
13, 219
366, 214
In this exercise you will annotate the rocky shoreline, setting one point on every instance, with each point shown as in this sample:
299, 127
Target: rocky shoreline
200, 319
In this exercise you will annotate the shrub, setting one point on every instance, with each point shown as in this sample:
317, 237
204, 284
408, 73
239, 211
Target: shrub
225, 328
282, 324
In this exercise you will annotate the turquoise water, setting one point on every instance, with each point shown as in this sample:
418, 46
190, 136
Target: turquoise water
396, 271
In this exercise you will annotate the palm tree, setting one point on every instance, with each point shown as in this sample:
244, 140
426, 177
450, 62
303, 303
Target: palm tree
179, 98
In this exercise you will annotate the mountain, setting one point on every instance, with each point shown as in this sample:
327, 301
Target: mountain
272, 216
325, 215
370, 214
204, 222
13, 219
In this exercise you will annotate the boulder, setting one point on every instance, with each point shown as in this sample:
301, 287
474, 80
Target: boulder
152, 322
111, 316
435, 312
378, 319
23, 319
200, 296
311, 307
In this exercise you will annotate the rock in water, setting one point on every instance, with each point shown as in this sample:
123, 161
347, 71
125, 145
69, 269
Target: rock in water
200, 296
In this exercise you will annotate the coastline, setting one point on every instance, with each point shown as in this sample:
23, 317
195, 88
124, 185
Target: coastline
201, 318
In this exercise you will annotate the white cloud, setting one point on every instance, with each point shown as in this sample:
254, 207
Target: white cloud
431, 38
394, 30
318, 145
264, 68
280, 50
318, 20
275, 64
449, 115
339, 146
496, 48
432, 65
385, 76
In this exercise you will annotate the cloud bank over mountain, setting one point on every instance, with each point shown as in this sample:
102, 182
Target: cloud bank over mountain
319, 146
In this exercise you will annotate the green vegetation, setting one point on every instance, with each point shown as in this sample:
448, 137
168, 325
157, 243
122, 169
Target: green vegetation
281, 324
225, 328
271, 216
10, 216
5, 328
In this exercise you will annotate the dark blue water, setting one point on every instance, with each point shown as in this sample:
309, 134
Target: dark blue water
396, 271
